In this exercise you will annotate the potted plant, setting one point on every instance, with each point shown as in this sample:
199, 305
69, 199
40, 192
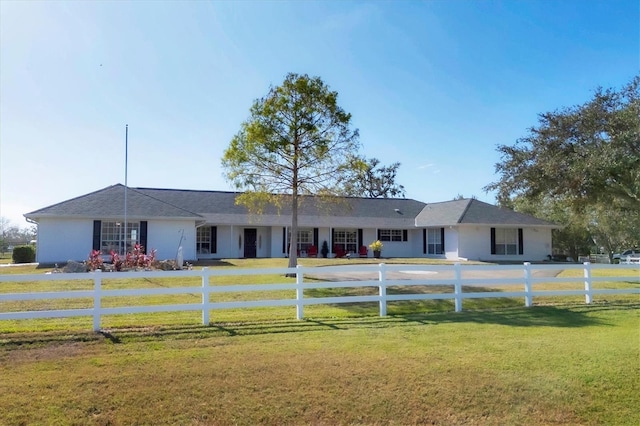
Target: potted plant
325, 249
376, 246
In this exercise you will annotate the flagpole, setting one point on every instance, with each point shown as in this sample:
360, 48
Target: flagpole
126, 164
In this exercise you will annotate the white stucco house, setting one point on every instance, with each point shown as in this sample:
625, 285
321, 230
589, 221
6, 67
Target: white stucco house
209, 225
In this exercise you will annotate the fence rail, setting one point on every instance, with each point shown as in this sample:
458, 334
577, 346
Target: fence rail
380, 276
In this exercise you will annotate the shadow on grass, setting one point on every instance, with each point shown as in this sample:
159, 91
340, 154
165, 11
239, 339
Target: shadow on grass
539, 316
416, 306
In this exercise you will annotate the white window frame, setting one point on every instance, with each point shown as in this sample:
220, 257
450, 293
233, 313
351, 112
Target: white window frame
347, 239
112, 236
203, 240
434, 241
506, 243
391, 234
305, 239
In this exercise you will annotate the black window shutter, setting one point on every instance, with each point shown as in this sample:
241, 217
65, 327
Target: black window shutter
315, 237
214, 239
284, 239
442, 239
520, 242
378, 235
405, 235
97, 229
493, 240
143, 235
424, 241
359, 238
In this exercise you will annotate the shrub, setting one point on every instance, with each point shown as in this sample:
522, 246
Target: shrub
134, 259
24, 254
376, 245
325, 249
95, 260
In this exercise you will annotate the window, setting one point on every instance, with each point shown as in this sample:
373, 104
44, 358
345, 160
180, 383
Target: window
203, 240
392, 234
305, 239
346, 239
113, 235
434, 241
506, 241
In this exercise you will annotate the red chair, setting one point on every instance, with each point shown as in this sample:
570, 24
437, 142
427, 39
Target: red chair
364, 251
312, 251
339, 252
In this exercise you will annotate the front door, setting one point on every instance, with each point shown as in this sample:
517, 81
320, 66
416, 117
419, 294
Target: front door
250, 246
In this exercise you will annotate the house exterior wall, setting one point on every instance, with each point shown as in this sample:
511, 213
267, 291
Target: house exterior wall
451, 243
61, 240
537, 243
165, 237
227, 242
475, 244
401, 248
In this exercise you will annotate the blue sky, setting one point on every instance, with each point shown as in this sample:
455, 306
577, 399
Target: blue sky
435, 85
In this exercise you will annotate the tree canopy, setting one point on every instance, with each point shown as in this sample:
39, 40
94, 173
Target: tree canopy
580, 166
585, 155
372, 180
296, 141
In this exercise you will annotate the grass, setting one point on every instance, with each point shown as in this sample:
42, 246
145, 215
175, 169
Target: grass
560, 362
538, 366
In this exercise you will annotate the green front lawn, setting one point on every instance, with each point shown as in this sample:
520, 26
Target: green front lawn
517, 366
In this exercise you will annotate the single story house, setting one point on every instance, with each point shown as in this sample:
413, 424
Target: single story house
210, 225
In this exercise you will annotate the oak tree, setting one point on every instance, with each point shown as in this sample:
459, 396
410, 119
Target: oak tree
372, 180
582, 161
585, 155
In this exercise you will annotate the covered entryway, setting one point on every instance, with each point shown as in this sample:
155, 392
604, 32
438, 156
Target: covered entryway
250, 246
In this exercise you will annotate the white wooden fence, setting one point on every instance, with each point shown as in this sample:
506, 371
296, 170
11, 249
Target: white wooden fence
381, 276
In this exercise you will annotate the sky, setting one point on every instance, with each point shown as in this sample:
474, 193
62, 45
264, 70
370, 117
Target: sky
435, 85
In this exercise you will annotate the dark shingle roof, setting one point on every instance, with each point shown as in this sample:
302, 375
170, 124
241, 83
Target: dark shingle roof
109, 202
153, 202
472, 211
198, 205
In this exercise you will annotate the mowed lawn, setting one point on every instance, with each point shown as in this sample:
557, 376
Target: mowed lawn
560, 363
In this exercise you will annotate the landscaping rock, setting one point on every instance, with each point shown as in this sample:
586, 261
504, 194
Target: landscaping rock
73, 267
168, 265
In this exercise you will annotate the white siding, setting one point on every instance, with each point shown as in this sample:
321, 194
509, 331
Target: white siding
451, 243
164, 236
475, 244
537, 243
61, 240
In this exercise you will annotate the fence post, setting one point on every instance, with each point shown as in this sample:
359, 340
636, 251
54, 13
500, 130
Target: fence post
587, 282
528, 297
299, 294
205, 296
457, 267
382, 287
97, 290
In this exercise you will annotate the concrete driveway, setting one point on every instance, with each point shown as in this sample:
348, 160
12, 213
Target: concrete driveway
433, 275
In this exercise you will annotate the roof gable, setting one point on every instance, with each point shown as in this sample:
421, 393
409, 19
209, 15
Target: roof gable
470, 211
109, 202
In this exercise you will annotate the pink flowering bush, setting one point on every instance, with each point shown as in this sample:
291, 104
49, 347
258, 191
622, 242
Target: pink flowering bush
135, 259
